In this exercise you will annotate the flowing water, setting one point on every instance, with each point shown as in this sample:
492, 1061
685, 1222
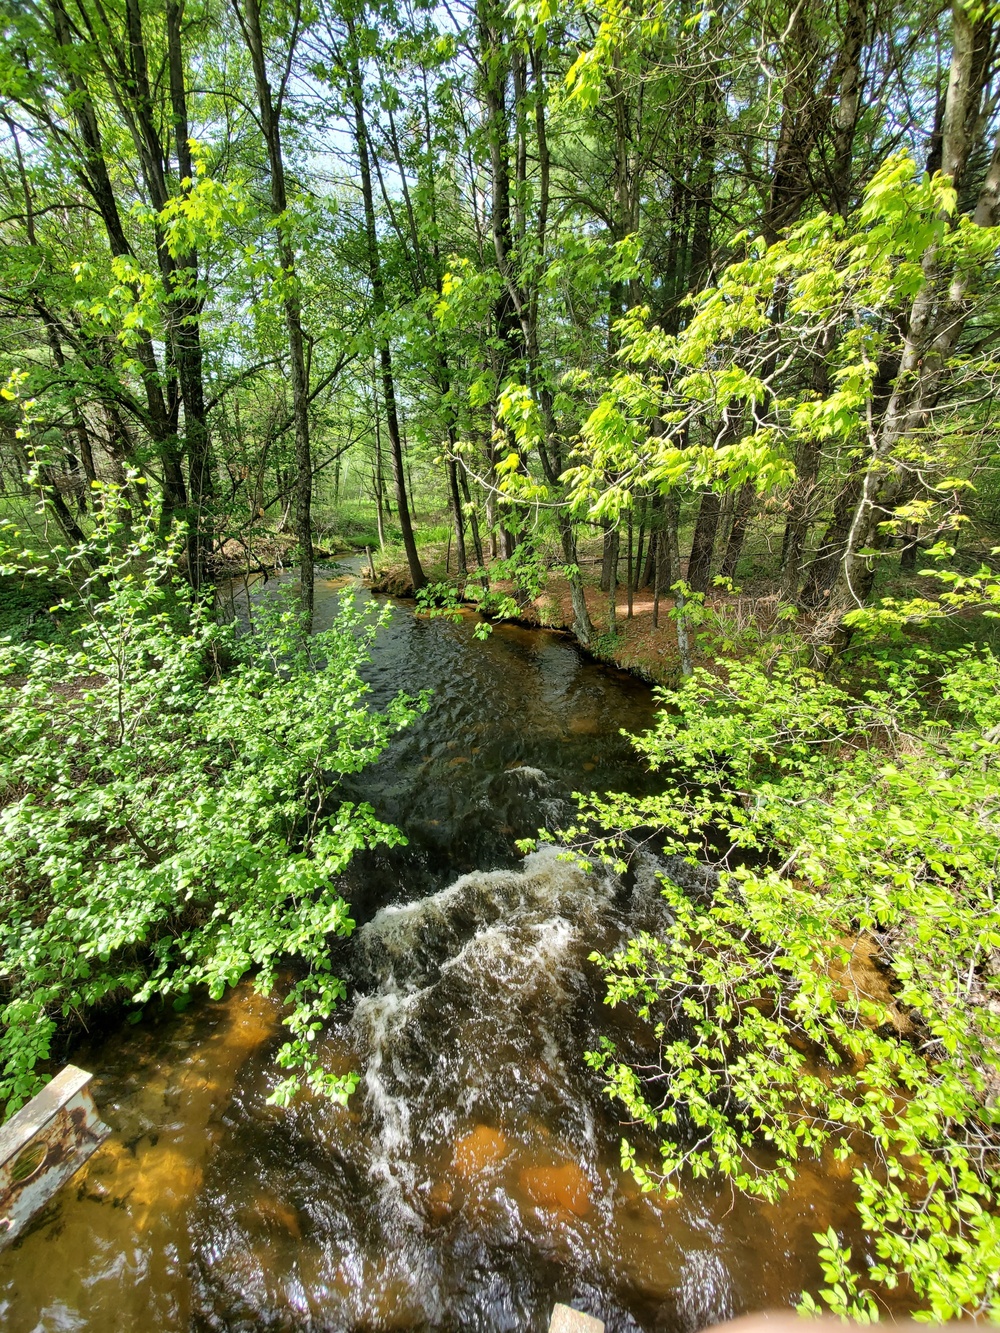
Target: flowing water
474, 1179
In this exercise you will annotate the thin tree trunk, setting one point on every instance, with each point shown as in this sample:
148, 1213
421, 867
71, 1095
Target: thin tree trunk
613, 582
650, 568
456, 510
379, 522
44, 479
477, 544
417, 576
911, 545
606, 551
409, 476
491, 521
807, 462
498, 62
186, 327
799, 513
630, 570
248, 16
379, 482
680, 618
657, 564
637, 581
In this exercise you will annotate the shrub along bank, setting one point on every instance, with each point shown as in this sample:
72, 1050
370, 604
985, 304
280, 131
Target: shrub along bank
165, 824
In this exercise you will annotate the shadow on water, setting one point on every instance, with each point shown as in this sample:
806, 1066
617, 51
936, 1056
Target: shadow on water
474, 1178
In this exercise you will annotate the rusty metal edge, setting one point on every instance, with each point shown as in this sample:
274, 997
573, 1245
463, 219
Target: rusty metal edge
35, 1115
64, 1121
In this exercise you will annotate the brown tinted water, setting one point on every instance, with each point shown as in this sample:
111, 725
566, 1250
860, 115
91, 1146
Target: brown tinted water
474, 1178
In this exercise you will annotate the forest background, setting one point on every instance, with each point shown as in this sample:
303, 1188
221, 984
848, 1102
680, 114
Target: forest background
308, 270
592, 313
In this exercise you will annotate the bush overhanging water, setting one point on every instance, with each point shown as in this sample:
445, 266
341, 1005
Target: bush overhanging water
167, 825
838, 993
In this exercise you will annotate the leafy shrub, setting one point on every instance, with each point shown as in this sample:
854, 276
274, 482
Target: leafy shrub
606, 644
841, 827
165, 825
439, 599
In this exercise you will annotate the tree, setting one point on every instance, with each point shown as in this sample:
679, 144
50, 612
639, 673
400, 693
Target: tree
269, 107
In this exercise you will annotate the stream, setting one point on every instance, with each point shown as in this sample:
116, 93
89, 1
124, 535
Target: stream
474, 1178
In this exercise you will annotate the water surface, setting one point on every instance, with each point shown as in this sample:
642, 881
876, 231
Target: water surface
474, 1179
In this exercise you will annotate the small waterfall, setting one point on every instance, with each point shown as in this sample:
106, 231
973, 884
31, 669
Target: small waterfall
425, 934
465, 990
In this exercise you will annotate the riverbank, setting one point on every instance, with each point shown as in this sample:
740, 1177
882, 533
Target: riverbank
633, 643
728, 622
261, 551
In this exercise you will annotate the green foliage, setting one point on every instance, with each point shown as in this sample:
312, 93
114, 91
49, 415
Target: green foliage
526, 568
838, 993
439, 599
657, 423
443, 600
166, 825
26, 611
606, 644
978, 591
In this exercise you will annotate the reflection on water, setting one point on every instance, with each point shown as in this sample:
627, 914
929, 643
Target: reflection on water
474, 1179
113, 1250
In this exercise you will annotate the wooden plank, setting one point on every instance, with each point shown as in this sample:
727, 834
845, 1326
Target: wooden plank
34, 1115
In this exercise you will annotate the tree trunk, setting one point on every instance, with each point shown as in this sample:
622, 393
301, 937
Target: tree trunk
477, 544
936, 321
379, 480
613, 583
742, 509
656, 549
807, 461
629, 568
248, 16
377, 487
606, 556
186, 328
703, 542
91, 169
417, 576
672, 517
799, 514
643, 511
499, 61
822, 572
456, 510
911, 545
655, 539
